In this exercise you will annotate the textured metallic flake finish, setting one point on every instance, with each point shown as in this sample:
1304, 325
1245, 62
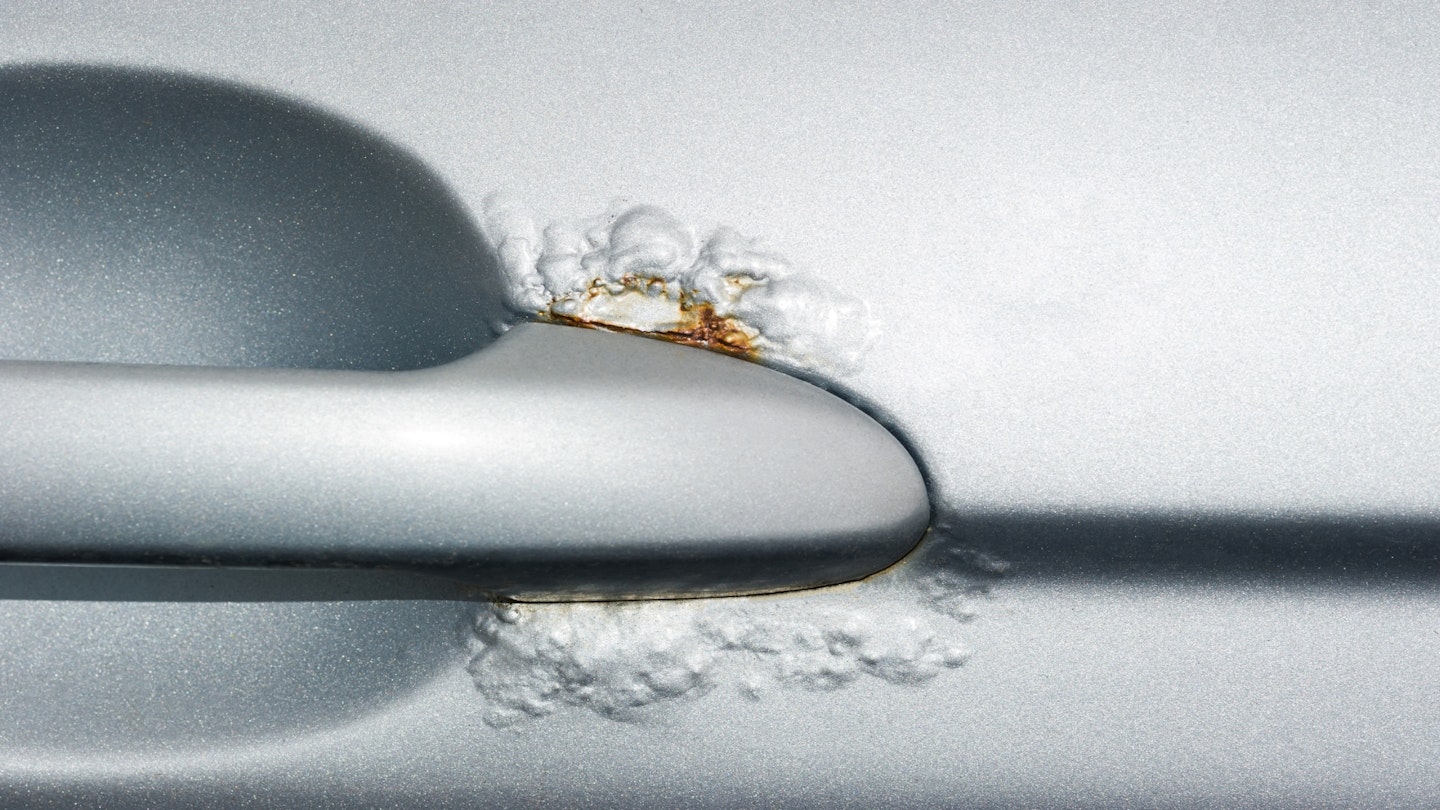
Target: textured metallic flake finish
1158, 281
153, 218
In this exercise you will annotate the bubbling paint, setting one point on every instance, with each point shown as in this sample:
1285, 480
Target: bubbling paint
620, 660
637, 268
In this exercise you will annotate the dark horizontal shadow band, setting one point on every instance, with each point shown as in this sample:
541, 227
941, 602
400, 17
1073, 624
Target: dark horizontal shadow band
102, 583
623, 575
1077, 548
1363, 548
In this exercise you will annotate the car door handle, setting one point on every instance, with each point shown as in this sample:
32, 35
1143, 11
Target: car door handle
235, 330
559, 460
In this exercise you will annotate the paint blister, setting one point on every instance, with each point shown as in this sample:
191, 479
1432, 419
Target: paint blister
637, 268
620, 660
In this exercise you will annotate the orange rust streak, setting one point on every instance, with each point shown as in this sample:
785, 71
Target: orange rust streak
709, 332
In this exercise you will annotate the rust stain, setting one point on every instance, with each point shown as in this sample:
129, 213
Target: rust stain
700, 326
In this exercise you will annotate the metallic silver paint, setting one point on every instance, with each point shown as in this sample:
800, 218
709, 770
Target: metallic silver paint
150, 217
1188, 253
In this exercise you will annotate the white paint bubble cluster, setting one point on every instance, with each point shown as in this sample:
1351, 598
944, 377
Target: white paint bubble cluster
638, 268
619, 659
